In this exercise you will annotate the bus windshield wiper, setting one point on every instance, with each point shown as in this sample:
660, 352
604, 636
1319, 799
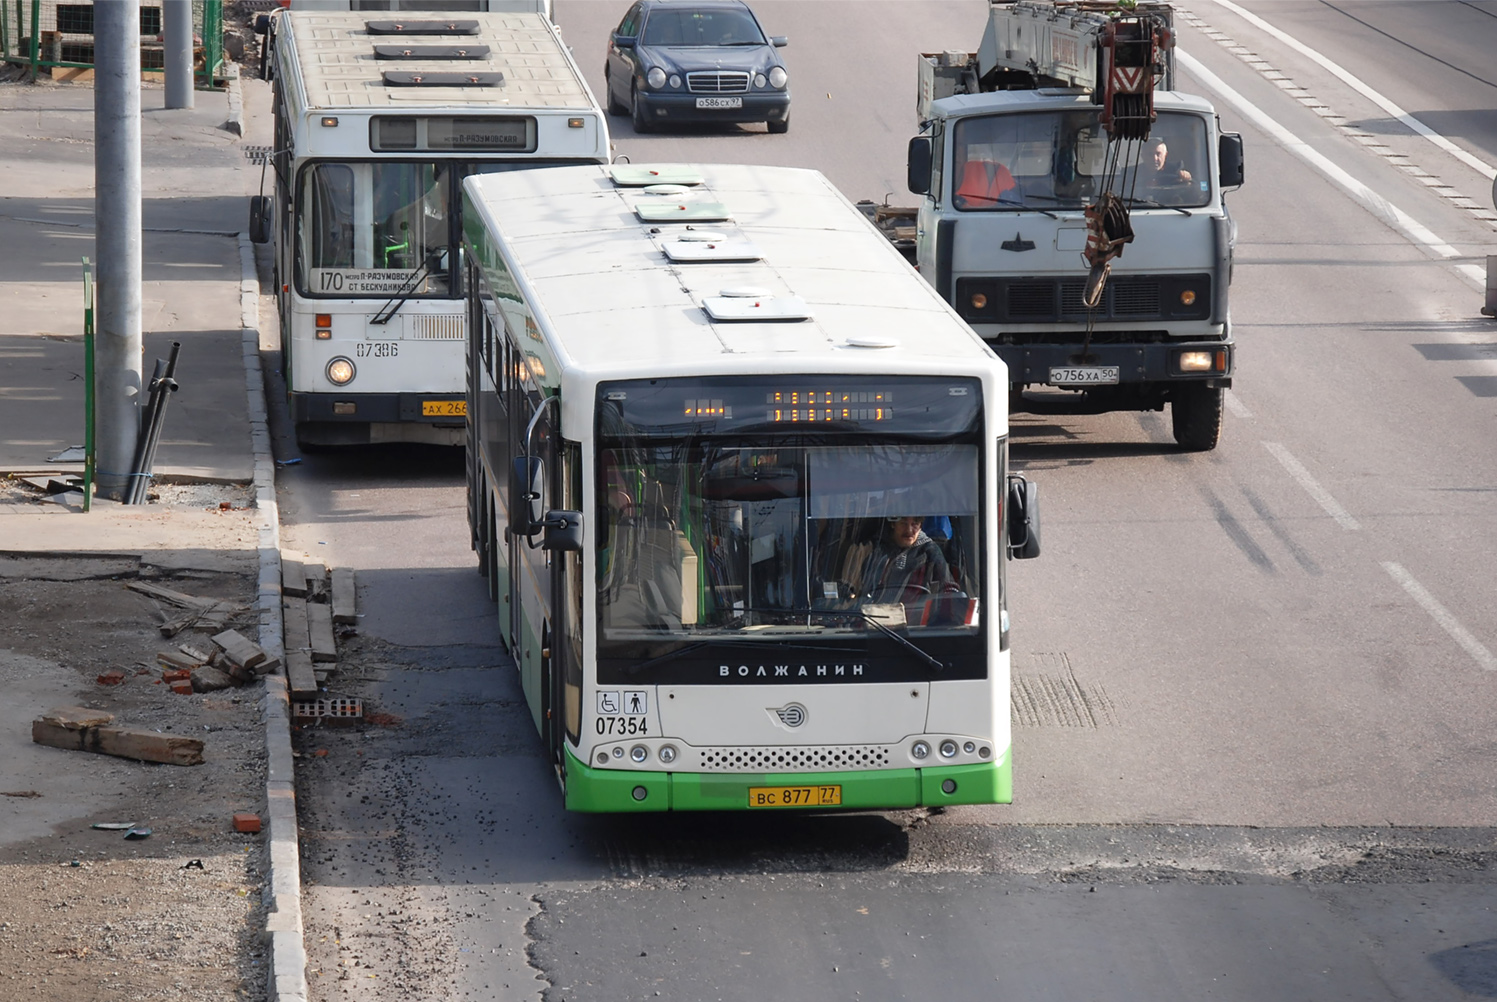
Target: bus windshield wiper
758, 645
903, 641
407, 288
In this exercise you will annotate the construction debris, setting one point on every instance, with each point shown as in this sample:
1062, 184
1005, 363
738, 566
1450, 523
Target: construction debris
81, 729
242, 654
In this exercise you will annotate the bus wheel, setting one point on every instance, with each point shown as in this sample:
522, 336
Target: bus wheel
1196, 416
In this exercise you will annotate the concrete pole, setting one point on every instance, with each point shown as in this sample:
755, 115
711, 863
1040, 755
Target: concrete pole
117, 241
177, 15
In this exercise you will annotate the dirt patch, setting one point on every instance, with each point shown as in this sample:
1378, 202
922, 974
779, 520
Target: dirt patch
88, 913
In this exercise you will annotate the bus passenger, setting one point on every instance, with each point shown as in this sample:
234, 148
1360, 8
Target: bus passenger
906, 566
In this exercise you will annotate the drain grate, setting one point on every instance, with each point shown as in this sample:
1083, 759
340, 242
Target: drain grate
335, 709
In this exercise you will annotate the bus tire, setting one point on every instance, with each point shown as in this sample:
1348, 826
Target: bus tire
1196, 416
636, 113
615, 108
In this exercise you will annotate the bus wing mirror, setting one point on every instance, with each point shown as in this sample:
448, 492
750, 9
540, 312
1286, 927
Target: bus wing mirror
525, 484
259, 221
563, 531
1229, 156
1023, 518
917, 165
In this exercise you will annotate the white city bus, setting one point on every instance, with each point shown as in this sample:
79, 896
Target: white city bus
704, 403
378, 118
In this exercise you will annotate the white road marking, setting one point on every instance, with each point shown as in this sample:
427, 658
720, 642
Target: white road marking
1380, 207
1234, 405
1356, 84
1312, 487
1484, 658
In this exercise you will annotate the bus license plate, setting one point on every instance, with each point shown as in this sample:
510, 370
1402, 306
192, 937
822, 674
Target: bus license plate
1084, 375
795, 796
719, 102
444, 408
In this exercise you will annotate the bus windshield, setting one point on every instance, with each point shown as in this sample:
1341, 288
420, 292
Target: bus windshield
766, 514
1056, 160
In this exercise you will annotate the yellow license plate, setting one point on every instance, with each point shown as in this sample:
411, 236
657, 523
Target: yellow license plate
794, 796
444, 408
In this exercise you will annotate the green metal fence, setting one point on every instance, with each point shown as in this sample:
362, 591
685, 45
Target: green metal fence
58, 35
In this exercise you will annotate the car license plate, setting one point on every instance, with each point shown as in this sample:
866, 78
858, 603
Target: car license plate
1083, 375
795, 796
444, 408
719, 102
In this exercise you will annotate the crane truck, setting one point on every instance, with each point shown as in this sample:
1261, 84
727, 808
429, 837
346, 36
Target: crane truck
1073, 211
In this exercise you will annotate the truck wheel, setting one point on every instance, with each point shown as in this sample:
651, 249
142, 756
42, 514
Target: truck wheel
1196, 415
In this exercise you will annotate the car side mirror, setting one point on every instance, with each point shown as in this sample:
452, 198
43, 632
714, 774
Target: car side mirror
624, 41
525, 485
917, 165
563, 531
259, 220
779, 41
1023, 518
1229, 156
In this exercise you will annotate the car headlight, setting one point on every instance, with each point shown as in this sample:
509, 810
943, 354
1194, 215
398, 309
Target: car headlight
777, 77
656, 77
340, 371
675, 81
758, 79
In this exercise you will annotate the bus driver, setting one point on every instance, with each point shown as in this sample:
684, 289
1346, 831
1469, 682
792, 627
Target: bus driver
906, 565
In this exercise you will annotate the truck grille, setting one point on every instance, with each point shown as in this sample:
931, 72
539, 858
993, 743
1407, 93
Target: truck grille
1058, 300
717, 82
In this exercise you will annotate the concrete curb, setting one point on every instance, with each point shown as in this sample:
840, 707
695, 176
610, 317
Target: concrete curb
287, 978
235, 124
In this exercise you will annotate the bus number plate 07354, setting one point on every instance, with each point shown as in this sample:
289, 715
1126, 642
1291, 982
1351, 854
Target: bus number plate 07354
795, 796
444, 408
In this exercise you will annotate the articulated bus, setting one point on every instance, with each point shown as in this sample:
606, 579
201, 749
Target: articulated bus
739, 482
378, 118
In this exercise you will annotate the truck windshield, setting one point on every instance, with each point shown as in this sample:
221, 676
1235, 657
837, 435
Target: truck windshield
1057, 159
763, 524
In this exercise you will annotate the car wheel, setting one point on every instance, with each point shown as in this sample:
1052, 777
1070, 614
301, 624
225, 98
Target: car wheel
779, 128
614, 107
637, 113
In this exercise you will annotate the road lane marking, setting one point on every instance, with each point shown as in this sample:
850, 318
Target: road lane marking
1312, 487
1235, 406
1484, 658
1414, 231
1346, 76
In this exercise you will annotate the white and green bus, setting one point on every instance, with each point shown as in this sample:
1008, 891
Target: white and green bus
739, 481
378, 118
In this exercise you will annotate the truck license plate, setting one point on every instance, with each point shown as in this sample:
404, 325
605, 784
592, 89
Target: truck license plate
719, 102
1083, 375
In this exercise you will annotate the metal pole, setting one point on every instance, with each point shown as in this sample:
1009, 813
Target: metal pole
177, 15
89, 461
118, 238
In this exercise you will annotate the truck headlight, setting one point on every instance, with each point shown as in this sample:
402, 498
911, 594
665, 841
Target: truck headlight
340, 371
656, 77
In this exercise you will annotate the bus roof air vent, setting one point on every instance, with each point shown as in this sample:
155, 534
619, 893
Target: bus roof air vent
407, 78
421, 27
640, 175
755, 304
689, 247
445, 52
871, 341
682, 211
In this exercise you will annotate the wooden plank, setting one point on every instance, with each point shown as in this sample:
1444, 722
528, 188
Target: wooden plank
122, 742
167, 659
316, 581
293, 577
176, 598
75, 718
320, 625
344, 595
238, 649
294, 626
300, 677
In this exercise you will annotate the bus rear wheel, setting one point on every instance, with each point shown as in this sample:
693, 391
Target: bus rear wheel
1196, 416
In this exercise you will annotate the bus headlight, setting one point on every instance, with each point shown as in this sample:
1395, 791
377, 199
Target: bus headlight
340, 371
948, 748
777, 77
656, 77
667, 754
919, 749
639, 753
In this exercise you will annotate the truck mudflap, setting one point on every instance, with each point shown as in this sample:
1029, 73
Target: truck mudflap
1106, 367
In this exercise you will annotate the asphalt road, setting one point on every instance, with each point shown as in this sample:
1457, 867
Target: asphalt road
1253, 737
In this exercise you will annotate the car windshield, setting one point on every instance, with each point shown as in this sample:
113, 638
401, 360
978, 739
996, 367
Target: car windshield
1057, 160
701, 28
